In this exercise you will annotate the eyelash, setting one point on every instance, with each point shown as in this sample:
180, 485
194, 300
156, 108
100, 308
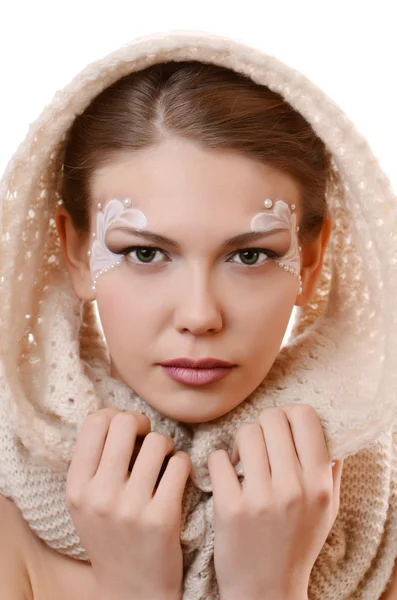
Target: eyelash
269, 253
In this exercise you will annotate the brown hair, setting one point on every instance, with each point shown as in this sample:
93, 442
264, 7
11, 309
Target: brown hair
211, 105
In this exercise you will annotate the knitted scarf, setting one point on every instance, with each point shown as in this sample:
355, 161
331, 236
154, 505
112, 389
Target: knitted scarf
54, 365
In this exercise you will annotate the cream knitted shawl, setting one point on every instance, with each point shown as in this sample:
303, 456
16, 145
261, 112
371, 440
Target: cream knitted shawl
341, 357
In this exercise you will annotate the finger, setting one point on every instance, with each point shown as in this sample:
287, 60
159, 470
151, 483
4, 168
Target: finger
143, 422
308, 436
251, 447
337, 477
145, 472
282, 458
118, 450
88, 448
172, 484
225, 484
336, 480
135, 452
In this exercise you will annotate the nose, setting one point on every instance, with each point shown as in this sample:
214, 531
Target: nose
197, 309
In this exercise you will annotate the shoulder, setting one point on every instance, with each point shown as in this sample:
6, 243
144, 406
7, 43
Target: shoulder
14, 577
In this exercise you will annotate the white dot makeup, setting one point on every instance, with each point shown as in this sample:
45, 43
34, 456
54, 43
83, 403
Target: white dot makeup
280, 215
116, 212
121, 213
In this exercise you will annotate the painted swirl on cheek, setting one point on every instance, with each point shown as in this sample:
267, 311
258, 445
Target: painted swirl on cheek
116, 212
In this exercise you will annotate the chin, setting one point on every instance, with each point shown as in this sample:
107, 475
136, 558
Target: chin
185, 404
191, 408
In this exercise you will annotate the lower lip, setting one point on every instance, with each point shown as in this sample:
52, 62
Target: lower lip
196, 376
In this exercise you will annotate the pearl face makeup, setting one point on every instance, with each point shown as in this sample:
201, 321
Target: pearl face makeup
196, 281
280, 215
119, 213
115, 213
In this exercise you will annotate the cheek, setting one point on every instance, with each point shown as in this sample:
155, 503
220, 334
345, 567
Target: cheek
126, 313
264, 316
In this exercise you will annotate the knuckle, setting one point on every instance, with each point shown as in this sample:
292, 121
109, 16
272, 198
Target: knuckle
259, 507
101, 507
96, 504
231, 513
127, 515
323, 497
155, 523
74, 499
293, 500
99, 502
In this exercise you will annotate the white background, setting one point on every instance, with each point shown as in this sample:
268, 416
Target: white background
349, 48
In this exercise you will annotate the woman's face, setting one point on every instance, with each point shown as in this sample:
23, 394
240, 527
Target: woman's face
194, 296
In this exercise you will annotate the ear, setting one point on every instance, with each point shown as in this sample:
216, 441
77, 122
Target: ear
75, 246
312, 263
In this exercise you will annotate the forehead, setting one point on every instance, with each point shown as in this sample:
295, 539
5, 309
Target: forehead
181, 178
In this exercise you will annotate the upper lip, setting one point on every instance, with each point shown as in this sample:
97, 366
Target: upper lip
199, 363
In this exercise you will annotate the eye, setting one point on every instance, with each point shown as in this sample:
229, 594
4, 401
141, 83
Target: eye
251, 256
143, 254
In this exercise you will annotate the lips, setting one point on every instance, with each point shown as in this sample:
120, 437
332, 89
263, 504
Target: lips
197, 371
200, 363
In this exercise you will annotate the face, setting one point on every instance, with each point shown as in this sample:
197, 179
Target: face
175, 278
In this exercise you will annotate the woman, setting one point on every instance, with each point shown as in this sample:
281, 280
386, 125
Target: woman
193, 203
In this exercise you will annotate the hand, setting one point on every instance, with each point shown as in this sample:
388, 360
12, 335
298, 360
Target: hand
270, 530
131, 532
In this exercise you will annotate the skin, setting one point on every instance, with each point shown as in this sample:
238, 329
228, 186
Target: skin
201, 300
196, 301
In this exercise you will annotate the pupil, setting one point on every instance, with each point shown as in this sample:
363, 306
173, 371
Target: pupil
249, 256
145, 254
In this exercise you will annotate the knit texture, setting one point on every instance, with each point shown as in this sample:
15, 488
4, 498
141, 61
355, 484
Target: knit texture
340, 359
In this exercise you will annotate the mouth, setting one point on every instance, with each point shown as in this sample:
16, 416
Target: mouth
197, 372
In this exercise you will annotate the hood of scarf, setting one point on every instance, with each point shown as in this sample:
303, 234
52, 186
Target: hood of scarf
54, 366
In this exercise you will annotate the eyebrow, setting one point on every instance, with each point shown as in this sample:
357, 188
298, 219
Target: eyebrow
241, 238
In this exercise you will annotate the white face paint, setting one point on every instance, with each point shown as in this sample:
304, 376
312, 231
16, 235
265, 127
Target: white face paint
280, 215
116, 212
120, 213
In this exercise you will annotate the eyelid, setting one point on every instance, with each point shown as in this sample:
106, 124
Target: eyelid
270, 254
263, 255
266, 251
137, 247
131, 249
